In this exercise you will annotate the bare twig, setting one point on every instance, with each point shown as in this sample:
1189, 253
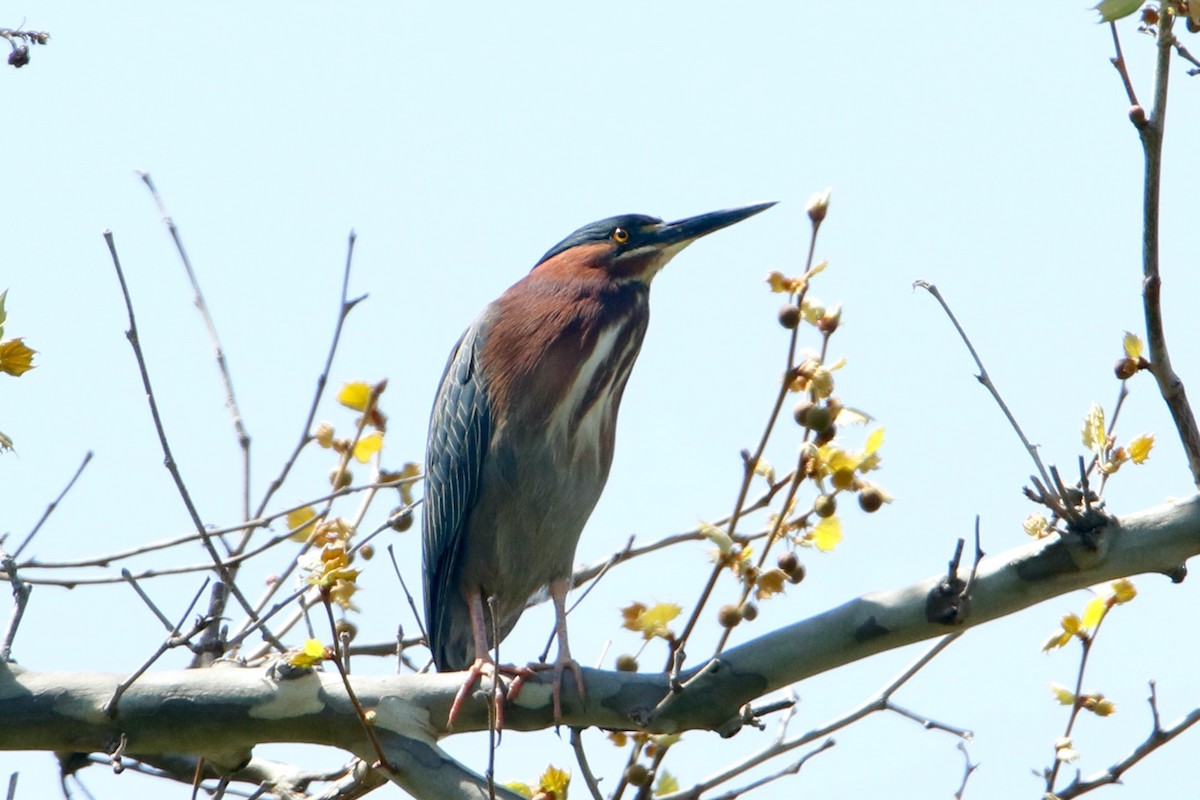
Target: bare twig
53, 505
21, 591
1118, 61
168, 458
1151, 132
968, 769
407, 594
986, 379
345, 307
173, 640
243, 437
589, 778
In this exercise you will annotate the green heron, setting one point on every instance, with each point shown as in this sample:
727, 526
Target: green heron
521, 435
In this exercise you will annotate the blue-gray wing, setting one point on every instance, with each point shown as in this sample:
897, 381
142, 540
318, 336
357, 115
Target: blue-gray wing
459, 432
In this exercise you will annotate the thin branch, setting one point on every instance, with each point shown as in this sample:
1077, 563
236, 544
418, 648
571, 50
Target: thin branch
173, 640
53, 505
1170, 385
21, 591
1158, 737
968, 769
589, 778
1118, 61
345, 307
880, 702
243, 437
986, 379
168, 458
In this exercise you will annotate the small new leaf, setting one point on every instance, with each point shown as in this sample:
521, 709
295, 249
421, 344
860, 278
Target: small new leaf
1094, 612
368, 446
1133, 345
300, 522
15, 358
311, 654
1094, 435
717, 536
1113, 10
1139, 449
1062, 694
355, 395
652, 621
667, 784
827, 534
552, 785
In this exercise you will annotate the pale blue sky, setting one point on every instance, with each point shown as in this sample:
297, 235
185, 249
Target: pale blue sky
985, 151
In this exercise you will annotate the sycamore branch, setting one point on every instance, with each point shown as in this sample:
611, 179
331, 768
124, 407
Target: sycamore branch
222, 713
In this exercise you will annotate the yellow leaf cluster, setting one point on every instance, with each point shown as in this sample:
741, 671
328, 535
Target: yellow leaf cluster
650, 621
1118, 593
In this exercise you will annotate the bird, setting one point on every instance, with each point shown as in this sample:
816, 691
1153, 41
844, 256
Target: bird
521, 437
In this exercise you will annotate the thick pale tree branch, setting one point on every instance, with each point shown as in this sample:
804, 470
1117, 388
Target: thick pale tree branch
221, 713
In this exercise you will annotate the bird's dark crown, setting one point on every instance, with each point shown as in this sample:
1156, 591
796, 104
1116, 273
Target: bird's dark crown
604, 230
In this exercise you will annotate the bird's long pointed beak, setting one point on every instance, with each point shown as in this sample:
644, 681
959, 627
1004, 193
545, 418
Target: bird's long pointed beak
687, 230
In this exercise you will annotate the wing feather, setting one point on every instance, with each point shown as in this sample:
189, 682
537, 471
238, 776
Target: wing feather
459, 433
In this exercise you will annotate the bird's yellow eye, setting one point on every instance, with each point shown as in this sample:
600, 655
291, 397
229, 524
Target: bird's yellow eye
620, 235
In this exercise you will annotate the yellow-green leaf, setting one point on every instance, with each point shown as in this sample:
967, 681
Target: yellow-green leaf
368, 446
311, 654
523, 789
1036, 525
1095, 610
355, 395
554, 782
827, 534
1113, 10
874, 440
1133, 345
717, 536
667, 784
1095, 437
1123, 591
299, 522
852, 416
1062, 694
1139, 449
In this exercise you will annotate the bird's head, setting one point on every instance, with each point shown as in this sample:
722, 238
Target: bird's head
634, 247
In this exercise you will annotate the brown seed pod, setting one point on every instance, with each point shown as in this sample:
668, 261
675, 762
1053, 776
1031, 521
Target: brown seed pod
626, 663
728, 615
870, 499
825, 505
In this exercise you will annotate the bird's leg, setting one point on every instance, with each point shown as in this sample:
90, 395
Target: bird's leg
484, 665
558, 593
